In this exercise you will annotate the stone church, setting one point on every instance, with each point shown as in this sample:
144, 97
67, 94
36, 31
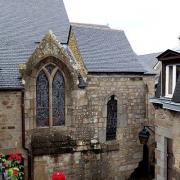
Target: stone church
73, 97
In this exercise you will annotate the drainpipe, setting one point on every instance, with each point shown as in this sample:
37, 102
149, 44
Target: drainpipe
23, 138
146, 101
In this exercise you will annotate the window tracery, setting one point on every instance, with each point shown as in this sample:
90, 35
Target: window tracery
50, 97
50, 68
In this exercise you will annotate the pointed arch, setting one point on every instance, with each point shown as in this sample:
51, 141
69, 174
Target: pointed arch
50, 97
58, 99
111, 125
42, 100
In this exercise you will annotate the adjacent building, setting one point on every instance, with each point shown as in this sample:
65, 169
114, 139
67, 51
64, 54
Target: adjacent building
167, 116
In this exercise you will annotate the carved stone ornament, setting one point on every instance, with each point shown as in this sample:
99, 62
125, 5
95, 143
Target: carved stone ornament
50, 46
22, 69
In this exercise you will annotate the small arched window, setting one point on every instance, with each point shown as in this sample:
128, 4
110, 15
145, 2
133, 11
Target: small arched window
111, 119
50, 97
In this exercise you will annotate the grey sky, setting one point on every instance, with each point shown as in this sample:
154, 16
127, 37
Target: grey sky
150, 25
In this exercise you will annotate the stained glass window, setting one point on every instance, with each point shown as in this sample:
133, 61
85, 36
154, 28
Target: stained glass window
50, 103
58, 99
50, 68
111, 119
42, 100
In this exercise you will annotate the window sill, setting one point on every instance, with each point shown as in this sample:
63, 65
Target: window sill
52, 127
110, 146
169, 96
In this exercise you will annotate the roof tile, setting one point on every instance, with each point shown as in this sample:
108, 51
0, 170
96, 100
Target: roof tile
105, 50
22, 24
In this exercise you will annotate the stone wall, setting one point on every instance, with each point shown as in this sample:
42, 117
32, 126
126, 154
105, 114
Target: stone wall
76, 166
167, 137
115, 159
131, 92
10, 122
87, 123
92, 157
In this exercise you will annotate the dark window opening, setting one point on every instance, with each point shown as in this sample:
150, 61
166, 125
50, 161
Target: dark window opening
111, 119
177, 72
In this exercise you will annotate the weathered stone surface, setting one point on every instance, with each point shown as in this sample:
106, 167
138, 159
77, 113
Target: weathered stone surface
10, 121
168, 129
86, 117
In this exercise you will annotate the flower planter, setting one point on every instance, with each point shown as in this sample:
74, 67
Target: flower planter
11, 167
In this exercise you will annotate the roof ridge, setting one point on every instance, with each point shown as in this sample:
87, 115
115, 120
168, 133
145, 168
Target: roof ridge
95, 26
149, 54
87, 25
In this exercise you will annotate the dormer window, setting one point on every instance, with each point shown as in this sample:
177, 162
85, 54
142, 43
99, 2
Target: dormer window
172, 73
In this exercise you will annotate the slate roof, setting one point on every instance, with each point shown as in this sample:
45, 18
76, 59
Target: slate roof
105, 50
22, 24
148, 61
28, 20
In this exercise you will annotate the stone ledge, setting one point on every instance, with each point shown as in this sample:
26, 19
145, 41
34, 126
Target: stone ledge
53, 142
110, 147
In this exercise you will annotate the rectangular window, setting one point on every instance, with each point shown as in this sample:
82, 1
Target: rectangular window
170, 79
172, 74
177, 72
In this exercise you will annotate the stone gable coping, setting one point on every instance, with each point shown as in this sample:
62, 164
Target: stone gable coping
49, 46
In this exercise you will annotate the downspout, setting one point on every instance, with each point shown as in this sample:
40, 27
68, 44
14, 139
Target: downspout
23, 138
146, 101
70, 28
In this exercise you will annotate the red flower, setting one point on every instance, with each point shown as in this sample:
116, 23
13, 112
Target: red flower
15, 172
16, 157
58, 176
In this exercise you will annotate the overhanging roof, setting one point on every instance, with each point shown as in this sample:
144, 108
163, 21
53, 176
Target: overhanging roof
166, 103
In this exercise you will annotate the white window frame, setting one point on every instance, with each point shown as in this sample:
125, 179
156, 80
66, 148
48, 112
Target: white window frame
173, 80
157, 66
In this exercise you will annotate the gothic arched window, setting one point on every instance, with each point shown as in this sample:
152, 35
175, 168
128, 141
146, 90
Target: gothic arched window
42, 99
50, 97
58, 99
111, 119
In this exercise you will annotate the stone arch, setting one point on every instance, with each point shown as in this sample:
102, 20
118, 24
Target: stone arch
121, 114
111, 120
51, 47
51, 74
68, 71
70, 78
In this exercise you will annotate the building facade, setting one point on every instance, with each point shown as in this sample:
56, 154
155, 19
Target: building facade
73, 100
167, 116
